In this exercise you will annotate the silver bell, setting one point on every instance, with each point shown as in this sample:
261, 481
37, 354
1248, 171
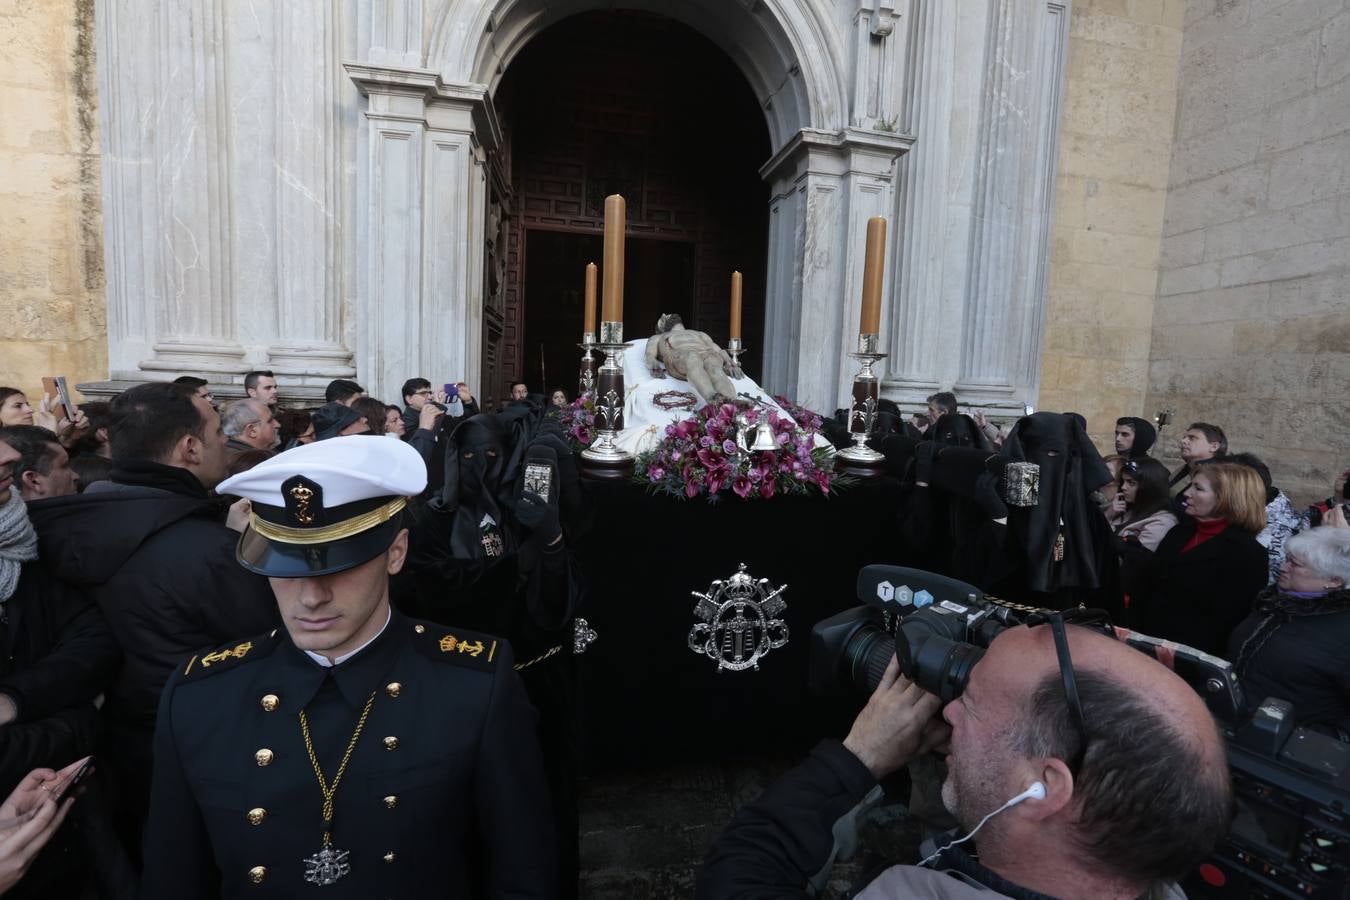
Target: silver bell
764, 439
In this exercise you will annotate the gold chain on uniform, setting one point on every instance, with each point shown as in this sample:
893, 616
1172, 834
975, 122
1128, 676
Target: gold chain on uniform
324, 787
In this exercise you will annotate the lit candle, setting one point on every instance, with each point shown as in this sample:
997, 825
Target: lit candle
589, 327
874, 262
614, 225
735, 306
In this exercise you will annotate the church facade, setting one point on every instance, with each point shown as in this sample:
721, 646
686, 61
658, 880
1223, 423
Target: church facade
325, 188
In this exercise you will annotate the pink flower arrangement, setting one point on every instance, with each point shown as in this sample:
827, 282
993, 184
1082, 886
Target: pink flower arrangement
700, 455
578, 420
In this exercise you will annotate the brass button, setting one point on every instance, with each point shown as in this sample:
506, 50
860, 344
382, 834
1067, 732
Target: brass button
264, 757
391, 801
419, 628
389, 857
393, 689
257, 874
391, 743
256, 815
270, 701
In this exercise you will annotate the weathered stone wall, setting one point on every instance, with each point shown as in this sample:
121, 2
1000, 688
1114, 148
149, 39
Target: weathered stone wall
51, 265
1252, 326
1111, 185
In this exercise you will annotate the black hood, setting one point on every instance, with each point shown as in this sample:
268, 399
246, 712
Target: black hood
957, 430
1071, 469
475, 459
1144, 436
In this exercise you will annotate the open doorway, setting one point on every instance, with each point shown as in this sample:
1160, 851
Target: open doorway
641, 105
658, 278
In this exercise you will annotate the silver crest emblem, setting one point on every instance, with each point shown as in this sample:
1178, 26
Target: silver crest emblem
327, 866
740, 621
583, 635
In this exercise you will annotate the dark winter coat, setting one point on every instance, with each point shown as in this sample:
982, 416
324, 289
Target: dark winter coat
1293, 648
56, 657
151, 549
1197, 598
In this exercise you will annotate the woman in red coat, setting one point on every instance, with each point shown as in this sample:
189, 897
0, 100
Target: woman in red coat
1207, 571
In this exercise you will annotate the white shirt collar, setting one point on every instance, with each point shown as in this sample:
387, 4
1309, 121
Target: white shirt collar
327, 664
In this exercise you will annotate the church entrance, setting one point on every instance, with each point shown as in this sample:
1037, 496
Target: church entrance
641, 105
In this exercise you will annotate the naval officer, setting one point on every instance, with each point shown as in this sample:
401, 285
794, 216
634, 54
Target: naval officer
353, 753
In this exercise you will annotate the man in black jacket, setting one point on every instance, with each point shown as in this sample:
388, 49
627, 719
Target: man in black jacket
56, 656
151, 548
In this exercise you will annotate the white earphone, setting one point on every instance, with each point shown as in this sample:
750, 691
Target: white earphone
1035, 792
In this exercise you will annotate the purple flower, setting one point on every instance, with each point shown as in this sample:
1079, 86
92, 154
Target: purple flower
656, 473
675, 456
729, 447
715, 481
709, 458
766, 489
822, 479
742, 486
691, 489
705, 441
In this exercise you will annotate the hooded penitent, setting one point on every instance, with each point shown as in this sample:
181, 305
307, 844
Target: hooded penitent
957, 430
474, 459
1144, 436
1063, 542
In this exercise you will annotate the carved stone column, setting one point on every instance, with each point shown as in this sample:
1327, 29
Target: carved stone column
421, 200
308, 337
1005, 287
825, 187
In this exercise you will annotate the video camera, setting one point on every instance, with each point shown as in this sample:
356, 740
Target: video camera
1291, 833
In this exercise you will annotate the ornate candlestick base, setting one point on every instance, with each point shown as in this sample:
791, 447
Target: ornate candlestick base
734, 349
603, 458
586, 374
861, 459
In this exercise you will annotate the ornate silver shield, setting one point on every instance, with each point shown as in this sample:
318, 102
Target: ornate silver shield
739, 621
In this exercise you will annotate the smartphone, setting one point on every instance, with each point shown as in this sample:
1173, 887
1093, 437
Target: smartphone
74, 781
57, 387
451, 391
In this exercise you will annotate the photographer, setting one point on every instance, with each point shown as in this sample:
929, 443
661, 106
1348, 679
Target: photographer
1116, 796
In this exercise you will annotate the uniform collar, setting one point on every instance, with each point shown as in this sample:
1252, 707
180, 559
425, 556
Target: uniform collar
299, 677
327, 664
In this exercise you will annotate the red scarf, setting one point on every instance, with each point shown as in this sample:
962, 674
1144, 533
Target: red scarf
1204, 530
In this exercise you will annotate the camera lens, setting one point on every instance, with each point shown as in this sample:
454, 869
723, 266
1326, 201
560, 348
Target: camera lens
941, 666
866, 657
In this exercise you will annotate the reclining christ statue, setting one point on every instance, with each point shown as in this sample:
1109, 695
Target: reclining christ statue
691, 356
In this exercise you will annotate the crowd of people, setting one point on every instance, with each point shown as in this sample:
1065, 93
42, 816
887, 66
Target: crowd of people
173, 572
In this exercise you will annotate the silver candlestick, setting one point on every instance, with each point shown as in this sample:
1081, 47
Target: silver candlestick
603, 453
734, 349
586, 374
862, 418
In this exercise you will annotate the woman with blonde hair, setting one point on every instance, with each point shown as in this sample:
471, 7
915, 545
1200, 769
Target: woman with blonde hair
1207, 571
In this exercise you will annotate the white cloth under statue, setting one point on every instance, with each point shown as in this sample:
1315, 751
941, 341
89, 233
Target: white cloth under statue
653, 403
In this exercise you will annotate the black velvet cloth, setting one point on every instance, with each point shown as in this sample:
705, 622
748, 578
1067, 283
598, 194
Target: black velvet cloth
648, 696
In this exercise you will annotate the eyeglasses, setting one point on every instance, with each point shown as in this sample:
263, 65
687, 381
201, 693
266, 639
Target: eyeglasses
1057, 622
425, 392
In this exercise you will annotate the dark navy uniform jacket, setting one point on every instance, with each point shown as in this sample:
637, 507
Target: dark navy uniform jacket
444, 790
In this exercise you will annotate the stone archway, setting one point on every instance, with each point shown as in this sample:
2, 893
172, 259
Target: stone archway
846, 89
826, 177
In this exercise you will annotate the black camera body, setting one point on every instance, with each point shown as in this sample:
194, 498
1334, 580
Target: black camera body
1291, 834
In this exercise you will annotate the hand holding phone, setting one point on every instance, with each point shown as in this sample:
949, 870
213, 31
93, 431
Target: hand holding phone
451, 391
71, 782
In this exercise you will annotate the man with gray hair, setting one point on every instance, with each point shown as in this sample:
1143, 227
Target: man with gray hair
249, 425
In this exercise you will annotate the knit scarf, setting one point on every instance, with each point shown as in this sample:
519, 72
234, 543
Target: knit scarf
18, 543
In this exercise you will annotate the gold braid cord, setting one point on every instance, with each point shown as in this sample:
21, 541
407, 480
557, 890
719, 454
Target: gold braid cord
327, 790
